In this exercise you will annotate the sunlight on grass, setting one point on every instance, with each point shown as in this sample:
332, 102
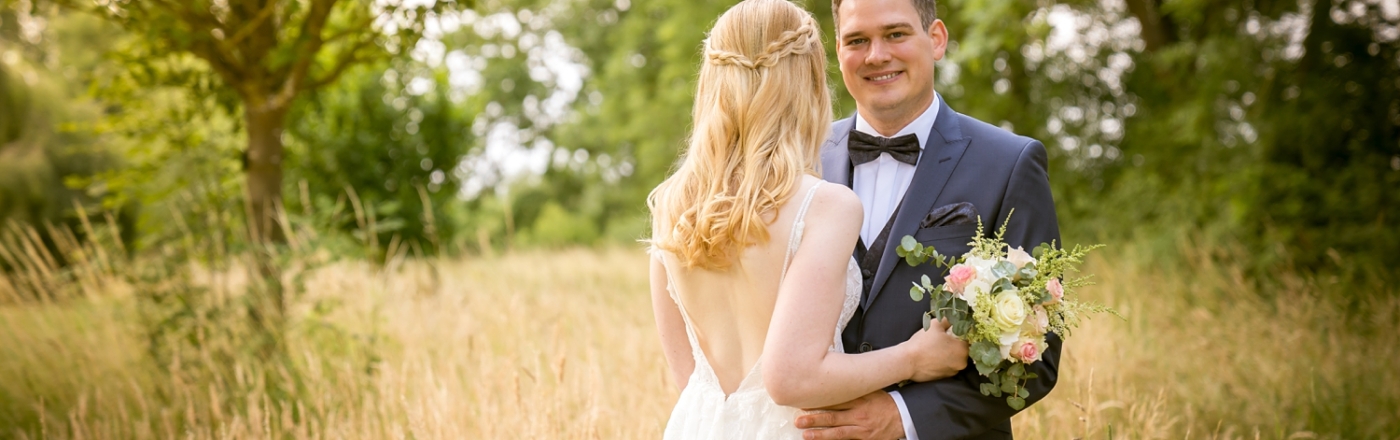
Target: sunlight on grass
562, 345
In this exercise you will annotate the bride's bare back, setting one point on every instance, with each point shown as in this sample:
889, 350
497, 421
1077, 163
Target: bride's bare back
730, 309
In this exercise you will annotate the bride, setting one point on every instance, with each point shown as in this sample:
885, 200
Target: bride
752, 278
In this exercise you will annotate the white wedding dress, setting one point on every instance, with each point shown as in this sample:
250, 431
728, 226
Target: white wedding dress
703, 412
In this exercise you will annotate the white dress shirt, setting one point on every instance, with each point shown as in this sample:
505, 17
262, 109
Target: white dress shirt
881, 184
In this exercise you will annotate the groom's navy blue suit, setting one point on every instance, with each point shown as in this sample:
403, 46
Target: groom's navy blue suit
964, 161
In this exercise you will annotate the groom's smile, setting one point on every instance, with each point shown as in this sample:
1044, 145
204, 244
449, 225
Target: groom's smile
887, 59
883, 78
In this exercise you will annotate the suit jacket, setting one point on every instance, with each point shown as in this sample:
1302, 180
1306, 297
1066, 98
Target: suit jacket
964, 160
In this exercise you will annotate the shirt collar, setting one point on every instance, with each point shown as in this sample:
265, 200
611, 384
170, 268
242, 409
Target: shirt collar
920, 126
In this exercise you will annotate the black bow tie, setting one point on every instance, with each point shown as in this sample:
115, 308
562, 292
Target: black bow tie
865, 148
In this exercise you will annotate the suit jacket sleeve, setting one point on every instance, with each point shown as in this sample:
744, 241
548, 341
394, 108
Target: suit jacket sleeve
955, 408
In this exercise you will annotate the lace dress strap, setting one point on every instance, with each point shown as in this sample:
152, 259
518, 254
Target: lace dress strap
795, 237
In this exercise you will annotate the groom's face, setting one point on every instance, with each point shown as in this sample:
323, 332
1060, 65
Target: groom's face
887, 57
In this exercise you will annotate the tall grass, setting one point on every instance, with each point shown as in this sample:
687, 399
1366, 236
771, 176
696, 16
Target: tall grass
561, 344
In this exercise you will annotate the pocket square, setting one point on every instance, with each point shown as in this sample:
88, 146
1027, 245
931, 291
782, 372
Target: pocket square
961, 213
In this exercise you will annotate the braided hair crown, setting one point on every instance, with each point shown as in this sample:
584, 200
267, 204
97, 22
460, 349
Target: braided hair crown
794, 42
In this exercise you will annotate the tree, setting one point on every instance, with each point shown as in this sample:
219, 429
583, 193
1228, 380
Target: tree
269, 53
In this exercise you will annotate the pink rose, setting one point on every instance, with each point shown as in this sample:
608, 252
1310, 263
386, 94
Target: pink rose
959, 276
1057, 291
1027, 352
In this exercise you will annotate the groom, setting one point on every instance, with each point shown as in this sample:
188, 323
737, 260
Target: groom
922, 169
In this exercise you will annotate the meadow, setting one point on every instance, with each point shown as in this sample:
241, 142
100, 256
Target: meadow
561, 345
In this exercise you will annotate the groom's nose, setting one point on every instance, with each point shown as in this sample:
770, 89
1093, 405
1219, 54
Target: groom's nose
879, 53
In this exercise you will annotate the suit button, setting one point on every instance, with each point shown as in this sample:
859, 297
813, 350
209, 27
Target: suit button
867, 273
865, 347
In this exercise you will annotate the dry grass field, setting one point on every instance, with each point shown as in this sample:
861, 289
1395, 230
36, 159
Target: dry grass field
561, 345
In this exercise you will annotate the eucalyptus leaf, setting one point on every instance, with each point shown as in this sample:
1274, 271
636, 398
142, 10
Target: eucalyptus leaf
1024, 393
927, 283
1016, 403
1008, 386
1003, 269
928, 321
1017, 370
1003, 285
986, 389
961, 306
916, 293
962, 328
986, 371
986, 355
1040, 250
907, 243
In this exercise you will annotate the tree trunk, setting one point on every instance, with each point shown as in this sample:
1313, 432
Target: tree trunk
263, 165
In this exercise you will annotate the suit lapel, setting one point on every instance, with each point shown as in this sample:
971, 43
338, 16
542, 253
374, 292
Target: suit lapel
836, 160
945, 148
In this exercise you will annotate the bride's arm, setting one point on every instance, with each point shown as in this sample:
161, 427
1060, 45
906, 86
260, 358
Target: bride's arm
798, 369
670, 326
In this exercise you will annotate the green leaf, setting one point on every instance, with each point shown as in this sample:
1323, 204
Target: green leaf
1029, 272
916, 293
986, 371
962, 328
1017, 370
928, 321
912, 259
1040, 250
1030, 376
927, 283
1024, 393
1008, 386
961, 306
986, 355
907, 243
1016, 403
986, 389
1003, 269
1003, 285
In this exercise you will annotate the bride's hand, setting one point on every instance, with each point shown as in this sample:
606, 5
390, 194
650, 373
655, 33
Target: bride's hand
934, 353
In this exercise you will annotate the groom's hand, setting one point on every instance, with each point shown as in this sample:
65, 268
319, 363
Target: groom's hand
872, 416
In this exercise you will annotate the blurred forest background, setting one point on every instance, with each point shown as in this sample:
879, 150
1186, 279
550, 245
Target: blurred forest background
211, 155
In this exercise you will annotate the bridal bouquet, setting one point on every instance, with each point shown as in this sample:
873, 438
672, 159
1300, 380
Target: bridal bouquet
1002, 301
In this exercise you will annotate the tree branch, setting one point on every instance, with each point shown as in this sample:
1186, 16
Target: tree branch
308, 44
350, 58
253, 24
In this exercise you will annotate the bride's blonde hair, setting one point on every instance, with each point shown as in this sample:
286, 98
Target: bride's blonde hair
762, 110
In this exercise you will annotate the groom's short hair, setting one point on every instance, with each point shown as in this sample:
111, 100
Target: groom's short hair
928, 12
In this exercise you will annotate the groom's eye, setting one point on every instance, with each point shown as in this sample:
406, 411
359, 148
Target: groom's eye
855, 41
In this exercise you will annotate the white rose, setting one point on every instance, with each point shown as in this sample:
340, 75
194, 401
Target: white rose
974, 289
1008, 311
1005, 341
1018, 257
984, 266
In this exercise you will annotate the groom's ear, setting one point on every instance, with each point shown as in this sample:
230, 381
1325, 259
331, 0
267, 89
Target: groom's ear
939, 33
